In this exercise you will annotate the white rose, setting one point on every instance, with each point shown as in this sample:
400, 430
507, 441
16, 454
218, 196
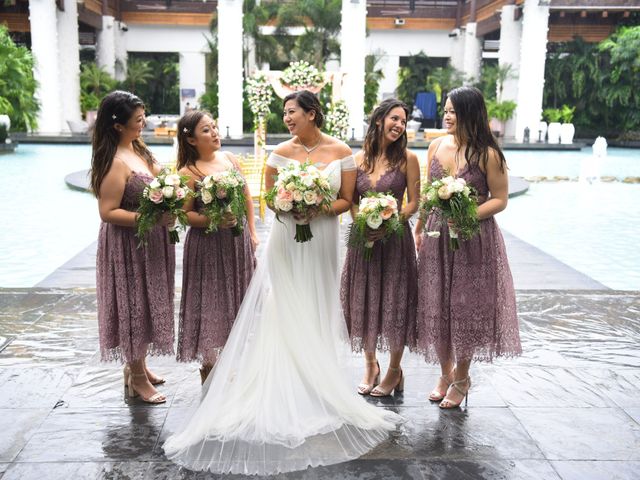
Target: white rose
206, 196
155, 183
444, 193
291, 186
447, 180
172, 179
307, 180
433, 234
207, 182
310, 197
283, 205
297, 195
167, 192
374, 221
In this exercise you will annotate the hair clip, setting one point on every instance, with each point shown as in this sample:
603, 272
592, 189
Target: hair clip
114, 116
185, 130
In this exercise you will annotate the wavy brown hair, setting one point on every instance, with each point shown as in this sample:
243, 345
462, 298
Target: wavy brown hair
187, 153
472, 127
116, 108
396, 152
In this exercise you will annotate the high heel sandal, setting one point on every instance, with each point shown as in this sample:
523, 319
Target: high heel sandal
436, 395
365, 388
156, 398
399, 387
455, 386
205, 370
127, 371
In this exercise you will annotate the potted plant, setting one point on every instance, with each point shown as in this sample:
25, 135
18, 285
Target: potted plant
553, 116
567, 130
500, 113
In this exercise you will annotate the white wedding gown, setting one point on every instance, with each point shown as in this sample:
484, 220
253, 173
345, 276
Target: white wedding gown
279, 398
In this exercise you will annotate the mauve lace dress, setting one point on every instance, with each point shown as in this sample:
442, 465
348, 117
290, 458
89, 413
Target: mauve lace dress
466, 300
379, 295
134, 286
217, 269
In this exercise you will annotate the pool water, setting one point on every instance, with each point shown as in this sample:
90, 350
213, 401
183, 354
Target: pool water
593, 228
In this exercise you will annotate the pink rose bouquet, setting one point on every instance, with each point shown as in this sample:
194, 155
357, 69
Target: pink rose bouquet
222, 193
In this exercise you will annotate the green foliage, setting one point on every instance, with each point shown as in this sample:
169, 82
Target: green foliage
159, 91
552, 115
492, 79
502, 111
95, 83
442, 80
3, 133
17, 84
566, 113
139, 73
209, 99
372, 78
412, 77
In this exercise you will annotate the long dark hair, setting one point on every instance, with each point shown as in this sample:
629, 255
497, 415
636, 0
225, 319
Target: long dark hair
472, 127
396, 152
187, 153
309, 103
116, 107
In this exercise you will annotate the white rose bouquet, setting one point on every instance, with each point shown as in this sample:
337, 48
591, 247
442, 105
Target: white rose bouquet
222, 194
300, 189
165, 194
376, 211
456, 202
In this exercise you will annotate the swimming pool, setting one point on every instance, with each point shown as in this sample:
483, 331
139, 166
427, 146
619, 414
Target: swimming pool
593, 228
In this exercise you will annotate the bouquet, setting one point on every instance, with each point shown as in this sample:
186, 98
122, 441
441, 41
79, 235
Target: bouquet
457, 204
300, 189
375, 211
223, 193
165, 194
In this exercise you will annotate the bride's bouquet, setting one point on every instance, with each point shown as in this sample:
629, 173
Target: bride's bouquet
165, 194
300, 189
376, 211
456, 202
222, 193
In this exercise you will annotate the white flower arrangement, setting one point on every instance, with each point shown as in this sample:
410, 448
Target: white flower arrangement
260, 95
301, 75
337, 120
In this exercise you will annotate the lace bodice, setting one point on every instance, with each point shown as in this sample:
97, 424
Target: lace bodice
473, 176
332, 171
133, 190
393, 180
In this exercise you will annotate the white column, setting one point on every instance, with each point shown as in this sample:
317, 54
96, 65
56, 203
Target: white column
44, 46
230, 79
106, 45
533, 49
457, 50
390, 65
472, 54
192, 79
352, 59
120, 52
69, 63
509, 54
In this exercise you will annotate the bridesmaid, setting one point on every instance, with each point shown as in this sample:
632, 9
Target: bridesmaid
379, 295
134, 285
217, 267
466, 301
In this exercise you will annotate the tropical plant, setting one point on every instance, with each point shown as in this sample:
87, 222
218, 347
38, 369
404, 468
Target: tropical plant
3, 133
138, 74
17, 84
566, 113
263, 48
502, 111
552, 115
95, 83
160, 93
412, 77
372, 78
442, 80
493, 78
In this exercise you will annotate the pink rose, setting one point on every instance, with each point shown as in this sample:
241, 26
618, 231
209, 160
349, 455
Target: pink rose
180, 193
156, 196
386, 213
221, 193
285, 196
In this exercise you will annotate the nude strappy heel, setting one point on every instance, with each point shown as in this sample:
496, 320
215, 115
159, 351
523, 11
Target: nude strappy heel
365, 388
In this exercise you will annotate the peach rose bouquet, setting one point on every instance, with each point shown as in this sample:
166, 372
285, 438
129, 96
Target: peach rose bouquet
222, 194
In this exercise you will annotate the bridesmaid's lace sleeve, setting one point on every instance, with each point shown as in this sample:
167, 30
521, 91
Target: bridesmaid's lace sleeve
348, 164
277, 161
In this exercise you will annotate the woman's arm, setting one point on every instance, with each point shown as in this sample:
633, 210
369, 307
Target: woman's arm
195, 219
498, 182
433, 146
251, 220
345, 195
111, 192
413, 187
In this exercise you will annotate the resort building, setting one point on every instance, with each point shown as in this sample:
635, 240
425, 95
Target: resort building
516, 32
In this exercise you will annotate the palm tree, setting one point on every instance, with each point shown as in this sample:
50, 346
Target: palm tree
372, 78
138, 74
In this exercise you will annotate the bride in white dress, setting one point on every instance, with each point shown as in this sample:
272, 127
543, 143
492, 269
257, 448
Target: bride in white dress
279, 398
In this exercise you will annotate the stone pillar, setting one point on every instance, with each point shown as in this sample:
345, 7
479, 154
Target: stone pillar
533, 48
44, 47
230, 80
106, 45
120, 53
472, 54
457, 50
509, 54
390, 67
69, 63
352, 61
193, 67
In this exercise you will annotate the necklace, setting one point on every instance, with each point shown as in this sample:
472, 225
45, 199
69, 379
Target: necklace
310, 149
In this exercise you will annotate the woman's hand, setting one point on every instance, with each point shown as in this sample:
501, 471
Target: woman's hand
255, 241
307, 216
229, 220
375, 235
417, 237
167, 219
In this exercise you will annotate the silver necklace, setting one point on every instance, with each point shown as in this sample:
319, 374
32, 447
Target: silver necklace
310, 149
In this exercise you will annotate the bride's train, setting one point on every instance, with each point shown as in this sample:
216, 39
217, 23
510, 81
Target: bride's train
279, 398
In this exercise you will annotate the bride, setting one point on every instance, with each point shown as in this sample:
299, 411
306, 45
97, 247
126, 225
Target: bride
279, 398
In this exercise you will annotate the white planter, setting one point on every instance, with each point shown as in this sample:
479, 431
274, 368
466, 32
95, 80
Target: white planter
567, 130
497, 127
553, 132
6, 121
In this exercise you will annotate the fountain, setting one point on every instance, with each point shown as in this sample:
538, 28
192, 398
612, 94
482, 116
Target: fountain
590, 166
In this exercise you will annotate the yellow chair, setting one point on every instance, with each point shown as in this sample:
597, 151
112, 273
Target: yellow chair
253, 171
